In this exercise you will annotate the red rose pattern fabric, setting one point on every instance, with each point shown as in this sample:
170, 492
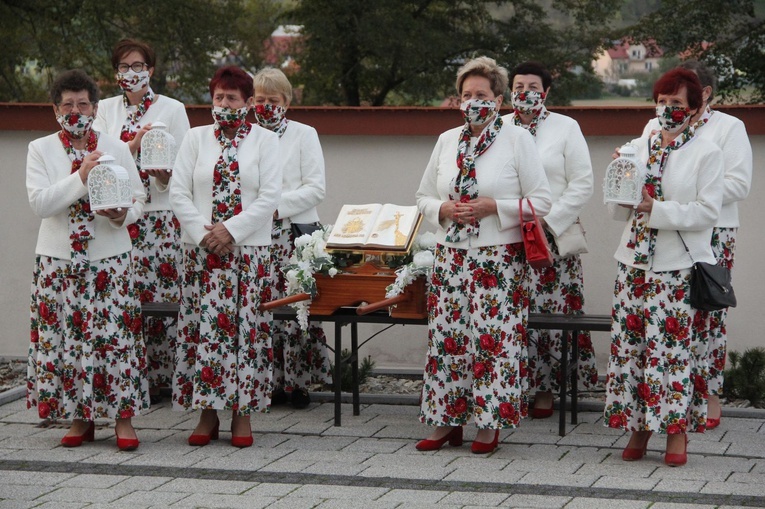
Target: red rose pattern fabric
301, 357
656, 379
558, 289
157, 268
724, 247
130, 129
87, 358
224, 350
476, 367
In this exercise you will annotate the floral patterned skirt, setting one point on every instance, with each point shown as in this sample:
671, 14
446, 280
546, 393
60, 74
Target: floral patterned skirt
657, 369
157, 259
558, 289
301, 357
476, 362
724, 247
87, 358
224, 351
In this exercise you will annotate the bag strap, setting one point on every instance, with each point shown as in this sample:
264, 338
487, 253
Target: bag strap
686, 248
520, 209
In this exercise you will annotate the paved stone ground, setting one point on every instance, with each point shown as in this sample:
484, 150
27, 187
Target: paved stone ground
300, 460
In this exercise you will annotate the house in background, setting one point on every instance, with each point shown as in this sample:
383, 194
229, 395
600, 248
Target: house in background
627, 60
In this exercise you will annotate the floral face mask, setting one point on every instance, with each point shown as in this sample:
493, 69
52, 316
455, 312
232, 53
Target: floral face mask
672, 118
228, 118
269, 116
528, 102
76, 124
478, 111
132, 81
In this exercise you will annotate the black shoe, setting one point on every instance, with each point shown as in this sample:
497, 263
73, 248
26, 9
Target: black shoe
279, 397
155, 399
300, 398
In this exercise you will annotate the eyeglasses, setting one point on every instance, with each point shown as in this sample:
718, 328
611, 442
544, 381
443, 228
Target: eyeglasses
135, 67
82, 107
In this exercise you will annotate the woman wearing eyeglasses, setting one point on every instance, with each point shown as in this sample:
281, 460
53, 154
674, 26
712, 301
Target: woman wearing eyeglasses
156, 235
87, 355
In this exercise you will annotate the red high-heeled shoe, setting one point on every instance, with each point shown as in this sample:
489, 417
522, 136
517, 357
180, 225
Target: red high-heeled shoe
636, 453
677, 459
541, 413
712, 423
77, 440
483, 447
204, 439
454, 437
126, 444
242, 441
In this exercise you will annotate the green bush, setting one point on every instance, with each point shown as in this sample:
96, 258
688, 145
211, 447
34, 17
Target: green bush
366, 365
746, 377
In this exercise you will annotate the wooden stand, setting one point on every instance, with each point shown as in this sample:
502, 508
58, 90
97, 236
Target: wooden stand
355, 286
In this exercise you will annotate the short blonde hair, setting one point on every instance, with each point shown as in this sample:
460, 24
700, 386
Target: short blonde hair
489, 69
273, 81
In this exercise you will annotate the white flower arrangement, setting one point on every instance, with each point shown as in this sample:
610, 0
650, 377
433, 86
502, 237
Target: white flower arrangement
421, 265
309, 257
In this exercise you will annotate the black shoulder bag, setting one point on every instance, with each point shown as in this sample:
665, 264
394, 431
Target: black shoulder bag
711, 288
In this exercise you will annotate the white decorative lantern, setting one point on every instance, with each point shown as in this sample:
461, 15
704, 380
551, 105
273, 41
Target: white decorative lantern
624, 178
109, 185
157, 148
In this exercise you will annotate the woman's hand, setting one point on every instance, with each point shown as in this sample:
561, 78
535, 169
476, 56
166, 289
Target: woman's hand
90, 162
161, 175
474, 210
117, 215
447, 211
219, 241
644, 206
135, 143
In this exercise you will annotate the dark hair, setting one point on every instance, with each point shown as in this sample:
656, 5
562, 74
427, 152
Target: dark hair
73, 81
672, 81
232, 78
126, 46
706, 77
535, 68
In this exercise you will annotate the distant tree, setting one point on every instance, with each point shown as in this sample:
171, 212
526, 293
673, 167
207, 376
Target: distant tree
407, 51
728, 35
189, 37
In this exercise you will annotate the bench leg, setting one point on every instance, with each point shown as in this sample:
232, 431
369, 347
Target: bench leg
563, 383
574, 377
338, 370
355, 366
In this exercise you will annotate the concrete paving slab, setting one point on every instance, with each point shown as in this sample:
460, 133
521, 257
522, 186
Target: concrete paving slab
429, 497
199, 500
207, 486
537, 501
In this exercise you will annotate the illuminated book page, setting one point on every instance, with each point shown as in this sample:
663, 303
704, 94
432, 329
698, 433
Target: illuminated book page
375, 226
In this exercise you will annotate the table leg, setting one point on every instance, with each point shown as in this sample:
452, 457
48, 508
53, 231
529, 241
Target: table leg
355, 366
574, 376
338, 370
563, 383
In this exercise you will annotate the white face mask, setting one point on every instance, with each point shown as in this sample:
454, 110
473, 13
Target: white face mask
76, 124
672, 118
132, 81
478, 111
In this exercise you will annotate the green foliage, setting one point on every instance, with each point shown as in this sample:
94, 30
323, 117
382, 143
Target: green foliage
728, 35
365, 369
746, 377
408, 51
187, 36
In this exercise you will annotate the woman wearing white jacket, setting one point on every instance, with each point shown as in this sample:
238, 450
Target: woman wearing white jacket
729, 133
559, 288
655, 379
476, 369
87, 358
300, 357
224, 191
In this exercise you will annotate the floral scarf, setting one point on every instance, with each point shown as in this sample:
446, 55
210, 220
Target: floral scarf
130, 127
708, 112
465, 183
226, 193
80, 215
539, 116
643, 238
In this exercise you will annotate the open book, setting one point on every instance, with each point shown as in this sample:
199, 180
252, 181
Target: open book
375, 227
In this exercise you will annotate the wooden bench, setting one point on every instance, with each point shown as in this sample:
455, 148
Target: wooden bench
571, 325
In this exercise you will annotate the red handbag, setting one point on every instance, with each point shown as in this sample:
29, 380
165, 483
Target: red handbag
538, 253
